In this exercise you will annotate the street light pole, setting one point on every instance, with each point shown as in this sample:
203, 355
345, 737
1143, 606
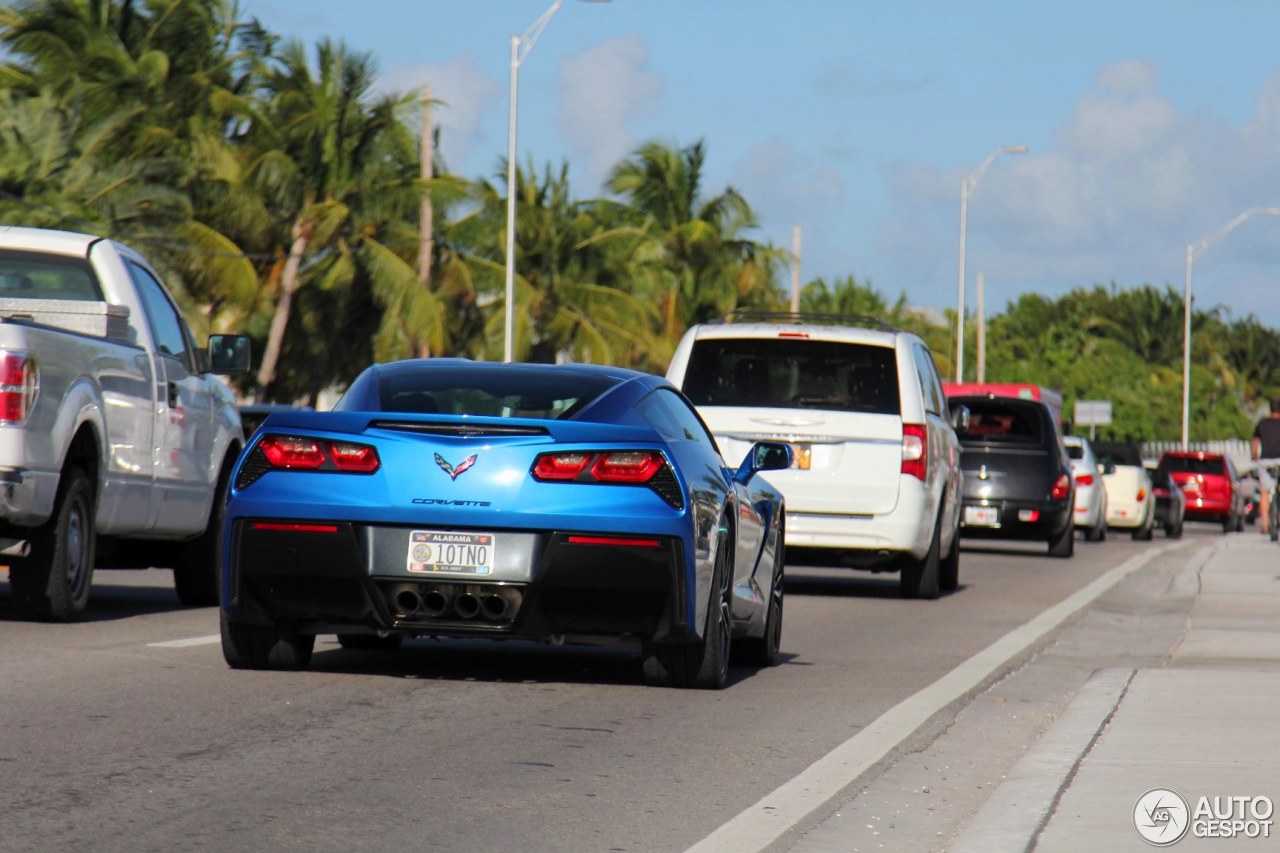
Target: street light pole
1194, 250
967, 186
520, 47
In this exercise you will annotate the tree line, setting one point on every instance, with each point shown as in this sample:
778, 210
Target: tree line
281, 196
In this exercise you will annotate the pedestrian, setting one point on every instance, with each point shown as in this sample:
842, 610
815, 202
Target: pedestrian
1265, 445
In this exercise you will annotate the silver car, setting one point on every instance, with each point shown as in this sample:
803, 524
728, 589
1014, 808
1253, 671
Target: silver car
1091, 494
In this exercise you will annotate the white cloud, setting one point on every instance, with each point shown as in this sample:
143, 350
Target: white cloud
602, 90
466, 93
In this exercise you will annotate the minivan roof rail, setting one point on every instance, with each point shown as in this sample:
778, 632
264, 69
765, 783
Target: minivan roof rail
752, 315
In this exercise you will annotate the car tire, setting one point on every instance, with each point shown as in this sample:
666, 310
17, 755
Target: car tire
1064, 544
919, 578
195, 569
276, 647
703, 664
1239, 524
1143, 533
763, 650
1228, 524
949, 568
371, 642
1097, 533
53, 583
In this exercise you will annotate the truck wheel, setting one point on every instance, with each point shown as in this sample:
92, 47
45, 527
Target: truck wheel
53, 583
265, 646
195, 570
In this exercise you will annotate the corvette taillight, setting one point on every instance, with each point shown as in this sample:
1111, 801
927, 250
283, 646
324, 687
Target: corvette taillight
300, 452
18, 386
1084, 479
611, 467
627, 466
1061, 487
915, 451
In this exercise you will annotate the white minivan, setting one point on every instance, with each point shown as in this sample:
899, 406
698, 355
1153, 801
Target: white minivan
876, 480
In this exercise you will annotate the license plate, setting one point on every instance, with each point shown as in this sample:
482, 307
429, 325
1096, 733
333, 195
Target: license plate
801, 455
981, 516
448, 552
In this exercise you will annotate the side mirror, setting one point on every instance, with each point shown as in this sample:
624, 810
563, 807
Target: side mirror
229, 355
765, 456
960, 418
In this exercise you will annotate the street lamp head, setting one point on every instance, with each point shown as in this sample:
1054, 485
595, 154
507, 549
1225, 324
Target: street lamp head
1015, 149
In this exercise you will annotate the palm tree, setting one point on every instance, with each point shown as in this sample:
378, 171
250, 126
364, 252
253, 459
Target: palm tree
326, 156
699, 266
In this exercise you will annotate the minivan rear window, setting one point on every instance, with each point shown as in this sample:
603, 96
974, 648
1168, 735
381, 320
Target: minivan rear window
793, 374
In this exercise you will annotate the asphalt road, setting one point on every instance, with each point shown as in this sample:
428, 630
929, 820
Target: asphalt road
127, 731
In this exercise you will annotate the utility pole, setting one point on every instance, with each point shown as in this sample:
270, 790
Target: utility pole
427, 213
982, 330
795, 269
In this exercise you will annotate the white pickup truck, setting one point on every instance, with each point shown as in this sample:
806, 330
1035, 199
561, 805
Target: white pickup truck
116, 436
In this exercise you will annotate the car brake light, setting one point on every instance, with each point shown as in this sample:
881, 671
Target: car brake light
618, 466
1084, 479
629, 467
1142, 495
284, 451
18, 386
561, 466
299, 452
915, 451
1061, 487
360, 458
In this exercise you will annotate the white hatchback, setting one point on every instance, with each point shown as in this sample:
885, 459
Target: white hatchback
876, 481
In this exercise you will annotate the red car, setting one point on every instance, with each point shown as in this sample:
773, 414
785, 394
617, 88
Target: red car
1211, 485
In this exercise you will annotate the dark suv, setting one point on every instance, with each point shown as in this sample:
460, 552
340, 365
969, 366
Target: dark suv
1017, 475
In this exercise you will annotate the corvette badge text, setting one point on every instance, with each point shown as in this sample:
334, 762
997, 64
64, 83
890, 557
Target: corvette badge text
1162, 816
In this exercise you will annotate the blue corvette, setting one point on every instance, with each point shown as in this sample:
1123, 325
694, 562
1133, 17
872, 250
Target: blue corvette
451, 498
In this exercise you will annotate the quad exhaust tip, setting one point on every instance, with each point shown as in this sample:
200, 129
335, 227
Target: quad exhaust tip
473, 602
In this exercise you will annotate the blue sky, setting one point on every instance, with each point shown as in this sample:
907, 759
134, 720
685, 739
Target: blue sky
1149, 124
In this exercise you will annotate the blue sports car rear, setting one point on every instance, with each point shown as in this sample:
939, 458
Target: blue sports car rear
444, 497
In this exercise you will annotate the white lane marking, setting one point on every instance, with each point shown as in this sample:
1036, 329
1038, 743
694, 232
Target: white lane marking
189, 641
759, 825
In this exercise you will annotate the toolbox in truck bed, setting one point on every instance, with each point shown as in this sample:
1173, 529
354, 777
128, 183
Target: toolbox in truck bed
86, 317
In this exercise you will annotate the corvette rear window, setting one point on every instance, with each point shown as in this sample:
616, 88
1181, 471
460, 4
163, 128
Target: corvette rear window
793, 374
488, 393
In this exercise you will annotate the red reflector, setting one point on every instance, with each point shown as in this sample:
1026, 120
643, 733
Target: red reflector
1084, 479
627, 466
291, 527
614, 540
292, 452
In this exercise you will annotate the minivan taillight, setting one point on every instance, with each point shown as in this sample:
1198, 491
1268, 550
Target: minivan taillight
915, 451
19, 383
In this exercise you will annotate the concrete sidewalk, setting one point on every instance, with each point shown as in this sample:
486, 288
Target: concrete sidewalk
1185, 755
